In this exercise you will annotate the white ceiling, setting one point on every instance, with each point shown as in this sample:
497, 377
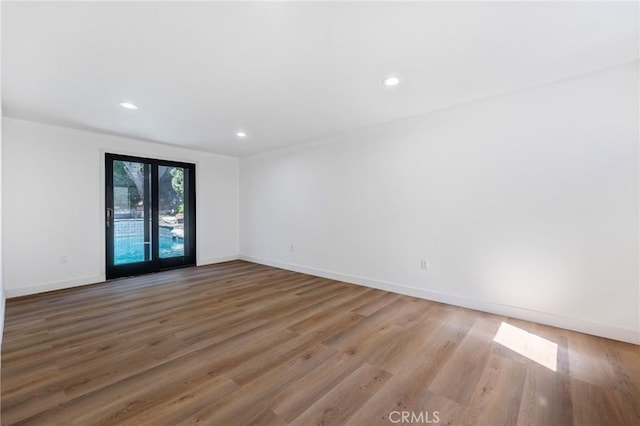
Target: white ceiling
288, 73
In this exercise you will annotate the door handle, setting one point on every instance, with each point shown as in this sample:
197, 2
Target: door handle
109, 216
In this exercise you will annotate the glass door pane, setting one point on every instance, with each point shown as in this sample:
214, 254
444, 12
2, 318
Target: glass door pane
131, 212
171, 211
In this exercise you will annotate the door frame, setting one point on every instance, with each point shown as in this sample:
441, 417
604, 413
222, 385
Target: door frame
156, 263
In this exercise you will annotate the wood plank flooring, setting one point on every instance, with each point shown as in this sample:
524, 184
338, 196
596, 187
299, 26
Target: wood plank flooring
241, 344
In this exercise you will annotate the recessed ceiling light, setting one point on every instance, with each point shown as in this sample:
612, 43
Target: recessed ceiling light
128, 105
391, 81
241, 134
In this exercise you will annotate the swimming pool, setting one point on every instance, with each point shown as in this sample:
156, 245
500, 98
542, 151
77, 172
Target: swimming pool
131, 249
129, 244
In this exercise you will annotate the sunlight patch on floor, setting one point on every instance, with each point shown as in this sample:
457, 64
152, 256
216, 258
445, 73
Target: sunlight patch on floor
537, 349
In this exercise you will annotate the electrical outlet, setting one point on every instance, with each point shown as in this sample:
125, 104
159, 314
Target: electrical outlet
291, 248
64, 259
424, 264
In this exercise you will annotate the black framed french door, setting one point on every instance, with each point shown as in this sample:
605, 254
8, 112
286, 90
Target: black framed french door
150, 217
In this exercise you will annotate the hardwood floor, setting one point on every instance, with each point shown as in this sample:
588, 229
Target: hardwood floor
240, 344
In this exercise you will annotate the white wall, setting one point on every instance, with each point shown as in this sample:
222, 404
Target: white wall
524, 205
2, 294
54, 203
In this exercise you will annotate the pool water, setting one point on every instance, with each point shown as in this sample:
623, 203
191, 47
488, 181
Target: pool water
129, 249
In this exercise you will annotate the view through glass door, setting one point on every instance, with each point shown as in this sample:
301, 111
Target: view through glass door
150, 215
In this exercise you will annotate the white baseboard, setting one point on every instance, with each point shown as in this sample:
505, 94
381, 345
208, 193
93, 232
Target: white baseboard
58, 285
213, 260
576, 324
